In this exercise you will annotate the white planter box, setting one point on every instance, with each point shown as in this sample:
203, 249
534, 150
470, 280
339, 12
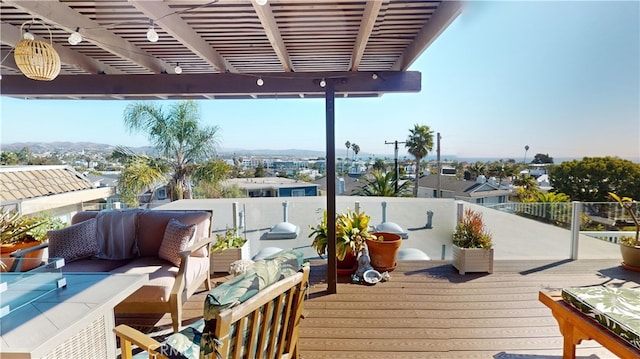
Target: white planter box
220, 261
472, 259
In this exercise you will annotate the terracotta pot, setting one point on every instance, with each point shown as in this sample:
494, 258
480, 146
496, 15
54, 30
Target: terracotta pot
384, 254
348, 265
33, 262
630, 256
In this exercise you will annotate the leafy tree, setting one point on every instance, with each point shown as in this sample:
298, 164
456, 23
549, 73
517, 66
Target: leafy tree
24, 155
8, 158
592, 178
419, 143
383, 185
176, 134
540, 158
259, 172
213, 171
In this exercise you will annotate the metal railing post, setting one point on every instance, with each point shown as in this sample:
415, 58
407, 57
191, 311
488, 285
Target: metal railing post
576, 211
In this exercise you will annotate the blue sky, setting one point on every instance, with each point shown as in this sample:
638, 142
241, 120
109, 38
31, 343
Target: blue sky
561, 77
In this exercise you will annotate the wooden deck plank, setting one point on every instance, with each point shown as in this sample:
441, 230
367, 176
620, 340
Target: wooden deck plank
428, 310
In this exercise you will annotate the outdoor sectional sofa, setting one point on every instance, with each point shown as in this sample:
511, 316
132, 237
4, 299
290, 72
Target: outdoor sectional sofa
172, 247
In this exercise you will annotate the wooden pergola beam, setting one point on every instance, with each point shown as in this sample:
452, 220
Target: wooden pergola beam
211, 85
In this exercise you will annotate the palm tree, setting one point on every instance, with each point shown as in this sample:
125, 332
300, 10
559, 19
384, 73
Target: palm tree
355, 149
383, 185
379, 165
526, 148
477, 169
419, 143
348, 146
177, 135
140, 173
527, 187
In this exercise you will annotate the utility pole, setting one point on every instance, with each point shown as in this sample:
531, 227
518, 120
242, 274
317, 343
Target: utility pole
395, 155
439, 189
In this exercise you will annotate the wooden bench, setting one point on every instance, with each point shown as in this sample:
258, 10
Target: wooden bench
576, 327
264, 325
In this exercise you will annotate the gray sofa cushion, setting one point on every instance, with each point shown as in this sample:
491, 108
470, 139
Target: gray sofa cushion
93, 265
162, 276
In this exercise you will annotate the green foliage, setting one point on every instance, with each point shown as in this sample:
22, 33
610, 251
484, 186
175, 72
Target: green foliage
471, 232
8, 158
352, 230
592, 178
419, 143
15, 228
383, 185
228, 240
379, 165
140, 173
177, 135
628, 204
259, 172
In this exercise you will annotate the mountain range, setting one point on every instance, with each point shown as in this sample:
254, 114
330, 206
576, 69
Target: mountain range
92, 147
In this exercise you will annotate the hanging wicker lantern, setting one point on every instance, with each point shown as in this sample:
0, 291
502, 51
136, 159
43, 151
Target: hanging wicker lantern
37, 59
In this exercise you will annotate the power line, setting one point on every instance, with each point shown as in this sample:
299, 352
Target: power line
395, 153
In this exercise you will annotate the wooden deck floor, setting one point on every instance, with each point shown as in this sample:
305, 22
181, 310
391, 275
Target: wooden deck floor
428, 310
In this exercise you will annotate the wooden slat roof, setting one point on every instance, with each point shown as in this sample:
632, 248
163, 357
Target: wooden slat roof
281, 41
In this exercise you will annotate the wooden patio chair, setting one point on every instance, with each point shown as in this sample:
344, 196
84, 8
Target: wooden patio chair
254, 315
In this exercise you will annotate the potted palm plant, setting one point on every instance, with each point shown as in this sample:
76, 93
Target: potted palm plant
629, 246
472, 245
227, 249
352, 231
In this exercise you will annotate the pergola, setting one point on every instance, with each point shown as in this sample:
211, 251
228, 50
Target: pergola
227, 49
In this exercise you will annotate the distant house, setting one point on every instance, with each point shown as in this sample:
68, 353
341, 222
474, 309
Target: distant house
58, 190
273, 187
345, 186
479, 191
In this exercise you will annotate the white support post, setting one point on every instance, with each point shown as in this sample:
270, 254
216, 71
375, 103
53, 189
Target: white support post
460, 211
576, 210
234, 207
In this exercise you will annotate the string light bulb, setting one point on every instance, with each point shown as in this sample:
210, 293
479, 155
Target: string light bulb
261, 2
178, 69
260, 81
323, 83
75, 38
152, 35
28, 36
